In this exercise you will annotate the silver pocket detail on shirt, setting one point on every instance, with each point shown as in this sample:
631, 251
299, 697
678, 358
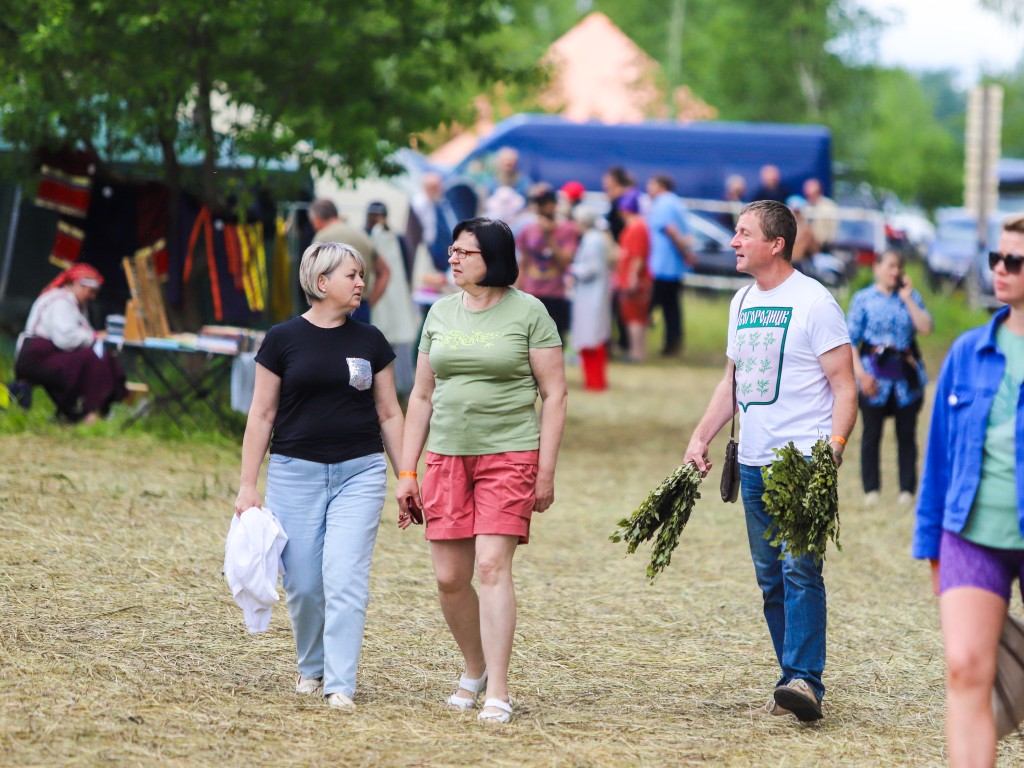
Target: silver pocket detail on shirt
360, 375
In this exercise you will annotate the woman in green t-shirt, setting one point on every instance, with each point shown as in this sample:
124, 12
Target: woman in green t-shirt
484, 356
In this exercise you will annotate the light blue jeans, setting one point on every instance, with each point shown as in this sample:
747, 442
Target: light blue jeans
330, 513
793, 591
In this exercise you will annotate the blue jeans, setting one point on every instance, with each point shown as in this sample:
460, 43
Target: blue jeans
793, 591
330, 513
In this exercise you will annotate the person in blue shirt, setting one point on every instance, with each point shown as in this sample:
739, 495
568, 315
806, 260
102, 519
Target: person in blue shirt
884, 320
671, 257
970, 514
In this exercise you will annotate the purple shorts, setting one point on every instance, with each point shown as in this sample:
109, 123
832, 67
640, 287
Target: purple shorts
963, 563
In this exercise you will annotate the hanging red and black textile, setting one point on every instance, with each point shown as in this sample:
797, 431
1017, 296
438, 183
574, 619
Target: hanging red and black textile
220, 240
64, 192
67, 246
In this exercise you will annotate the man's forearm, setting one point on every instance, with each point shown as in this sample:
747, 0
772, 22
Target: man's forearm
719, 412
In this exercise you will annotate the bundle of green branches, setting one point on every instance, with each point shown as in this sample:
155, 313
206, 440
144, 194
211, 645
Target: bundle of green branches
663, 514
802, 498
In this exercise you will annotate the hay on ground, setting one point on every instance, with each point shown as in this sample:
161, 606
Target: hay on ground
120, 644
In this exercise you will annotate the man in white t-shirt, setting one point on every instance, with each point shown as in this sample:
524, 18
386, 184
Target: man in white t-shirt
790, 352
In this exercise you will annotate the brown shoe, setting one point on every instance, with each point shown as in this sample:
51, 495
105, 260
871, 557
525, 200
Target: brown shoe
798, 697
770, 707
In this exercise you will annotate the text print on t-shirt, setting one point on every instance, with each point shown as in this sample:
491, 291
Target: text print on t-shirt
455, 338
760, 344
360, 374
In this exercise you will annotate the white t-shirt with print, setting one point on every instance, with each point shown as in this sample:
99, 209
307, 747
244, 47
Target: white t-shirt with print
781, 389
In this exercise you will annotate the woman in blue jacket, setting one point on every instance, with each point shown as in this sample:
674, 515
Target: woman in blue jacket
970, 514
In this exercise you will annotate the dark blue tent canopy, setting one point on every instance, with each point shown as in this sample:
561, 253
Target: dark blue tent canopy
699, 156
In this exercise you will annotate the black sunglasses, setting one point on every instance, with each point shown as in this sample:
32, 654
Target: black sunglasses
1012, 261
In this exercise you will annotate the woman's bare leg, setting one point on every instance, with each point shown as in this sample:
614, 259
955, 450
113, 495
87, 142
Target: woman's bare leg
453, 568
972, 619
497, 608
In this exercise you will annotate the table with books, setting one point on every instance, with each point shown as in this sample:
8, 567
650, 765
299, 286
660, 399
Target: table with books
185, 376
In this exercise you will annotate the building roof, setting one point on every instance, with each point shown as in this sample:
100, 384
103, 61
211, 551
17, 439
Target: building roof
597, 74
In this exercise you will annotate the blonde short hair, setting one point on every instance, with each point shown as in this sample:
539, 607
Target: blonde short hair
322, 259
1014, 222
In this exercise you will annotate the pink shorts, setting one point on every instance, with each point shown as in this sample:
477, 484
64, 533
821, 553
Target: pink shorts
466, 496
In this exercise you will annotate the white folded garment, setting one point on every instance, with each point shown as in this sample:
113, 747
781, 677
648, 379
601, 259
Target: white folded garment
252, 563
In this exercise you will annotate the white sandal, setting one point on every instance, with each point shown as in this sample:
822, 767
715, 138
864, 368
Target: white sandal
503, 716
471, 685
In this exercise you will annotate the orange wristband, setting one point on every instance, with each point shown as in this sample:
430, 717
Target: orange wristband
406, 474
838, 439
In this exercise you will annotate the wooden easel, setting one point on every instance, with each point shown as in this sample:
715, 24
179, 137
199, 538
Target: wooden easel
144, 315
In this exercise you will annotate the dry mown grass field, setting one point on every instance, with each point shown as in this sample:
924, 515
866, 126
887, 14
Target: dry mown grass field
120, 644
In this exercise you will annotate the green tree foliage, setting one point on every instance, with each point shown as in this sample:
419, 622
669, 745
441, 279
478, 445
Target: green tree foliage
1011, 10
904, 148
799, 62
339, 86
776, 66
1013, 111
754, 60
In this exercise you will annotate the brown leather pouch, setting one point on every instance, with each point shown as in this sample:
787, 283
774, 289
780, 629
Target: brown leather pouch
731, 472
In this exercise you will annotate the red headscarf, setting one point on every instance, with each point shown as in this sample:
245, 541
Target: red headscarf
79, 273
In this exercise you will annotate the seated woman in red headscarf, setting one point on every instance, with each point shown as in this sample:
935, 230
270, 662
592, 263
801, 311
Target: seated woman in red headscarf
56, 350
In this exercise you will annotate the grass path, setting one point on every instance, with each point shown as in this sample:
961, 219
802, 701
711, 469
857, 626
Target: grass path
120, 644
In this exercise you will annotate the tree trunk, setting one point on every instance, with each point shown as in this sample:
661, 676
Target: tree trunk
185, 316
204, 119
810, 90
675, 54
172, 175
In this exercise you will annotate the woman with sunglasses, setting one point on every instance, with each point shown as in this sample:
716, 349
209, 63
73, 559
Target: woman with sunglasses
484, 355
970, 515
884, 320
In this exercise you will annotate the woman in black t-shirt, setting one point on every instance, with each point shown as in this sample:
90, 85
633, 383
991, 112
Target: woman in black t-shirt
325, 404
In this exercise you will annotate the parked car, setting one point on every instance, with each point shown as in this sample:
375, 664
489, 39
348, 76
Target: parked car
711, 245
860, 237
910, 231
955, 249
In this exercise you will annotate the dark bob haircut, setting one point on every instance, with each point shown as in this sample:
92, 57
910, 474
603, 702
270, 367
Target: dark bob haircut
497, 247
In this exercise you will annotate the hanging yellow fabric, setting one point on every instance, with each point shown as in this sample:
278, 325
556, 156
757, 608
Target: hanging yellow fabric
280, 275
254, 271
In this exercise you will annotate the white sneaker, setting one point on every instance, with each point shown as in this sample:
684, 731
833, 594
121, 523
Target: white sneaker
905, 499
308, 686
340, 701
871, 498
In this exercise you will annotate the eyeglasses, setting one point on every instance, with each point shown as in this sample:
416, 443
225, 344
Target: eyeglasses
460, 253
1012, 261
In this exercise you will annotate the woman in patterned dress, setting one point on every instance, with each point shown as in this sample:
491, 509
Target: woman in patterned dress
884, 320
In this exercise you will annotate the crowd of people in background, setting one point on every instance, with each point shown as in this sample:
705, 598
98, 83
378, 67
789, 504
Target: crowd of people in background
453, 315
595, 268
608, 265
